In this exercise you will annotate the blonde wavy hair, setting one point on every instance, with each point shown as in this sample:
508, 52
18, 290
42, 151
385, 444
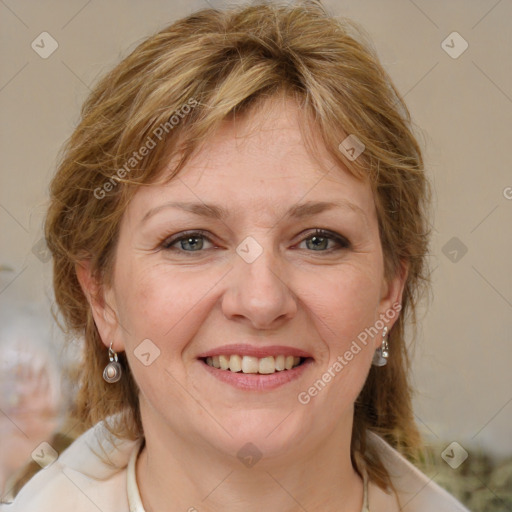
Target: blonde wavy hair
218, 64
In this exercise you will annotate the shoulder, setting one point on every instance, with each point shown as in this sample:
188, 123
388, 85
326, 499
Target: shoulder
89, 475
416, 491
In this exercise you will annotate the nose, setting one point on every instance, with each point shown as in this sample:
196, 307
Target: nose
259, 293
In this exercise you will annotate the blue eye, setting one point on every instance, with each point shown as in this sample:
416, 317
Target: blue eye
193, 241
320, 240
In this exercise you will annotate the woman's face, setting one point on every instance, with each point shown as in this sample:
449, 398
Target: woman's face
246, 279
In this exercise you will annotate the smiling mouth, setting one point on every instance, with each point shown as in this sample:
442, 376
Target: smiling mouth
248, 364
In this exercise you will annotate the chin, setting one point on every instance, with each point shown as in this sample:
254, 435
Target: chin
269, 433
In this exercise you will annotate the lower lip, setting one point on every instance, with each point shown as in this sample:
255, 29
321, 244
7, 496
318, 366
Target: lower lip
257, 381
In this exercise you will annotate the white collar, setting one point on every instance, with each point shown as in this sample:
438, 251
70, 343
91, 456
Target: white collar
134, 501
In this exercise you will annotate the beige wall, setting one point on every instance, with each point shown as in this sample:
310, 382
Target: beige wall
463, 107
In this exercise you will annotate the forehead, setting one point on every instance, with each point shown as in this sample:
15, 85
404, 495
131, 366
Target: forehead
256, 160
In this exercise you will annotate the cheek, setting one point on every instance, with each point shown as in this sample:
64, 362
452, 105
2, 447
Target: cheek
162, 304
155, 307
343, 309
346, 304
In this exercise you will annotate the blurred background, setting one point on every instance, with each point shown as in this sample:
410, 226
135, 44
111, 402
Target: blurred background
451, 61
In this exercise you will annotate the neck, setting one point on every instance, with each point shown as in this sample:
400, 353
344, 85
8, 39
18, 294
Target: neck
177, 474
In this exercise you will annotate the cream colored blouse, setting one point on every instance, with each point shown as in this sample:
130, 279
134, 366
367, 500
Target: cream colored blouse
97, 472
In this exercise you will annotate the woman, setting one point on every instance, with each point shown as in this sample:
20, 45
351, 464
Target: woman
238, 229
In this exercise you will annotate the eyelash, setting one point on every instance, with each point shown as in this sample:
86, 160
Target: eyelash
322, 233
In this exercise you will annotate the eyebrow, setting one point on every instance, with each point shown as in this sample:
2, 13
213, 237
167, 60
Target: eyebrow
298, 211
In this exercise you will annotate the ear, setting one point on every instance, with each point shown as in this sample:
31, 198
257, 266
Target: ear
391, 296
102, 303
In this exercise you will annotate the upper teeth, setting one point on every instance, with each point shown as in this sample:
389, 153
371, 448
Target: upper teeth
249, 364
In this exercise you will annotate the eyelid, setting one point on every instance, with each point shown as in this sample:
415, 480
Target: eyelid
342, 241
169, 241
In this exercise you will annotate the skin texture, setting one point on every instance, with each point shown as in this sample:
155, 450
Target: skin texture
189, 302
